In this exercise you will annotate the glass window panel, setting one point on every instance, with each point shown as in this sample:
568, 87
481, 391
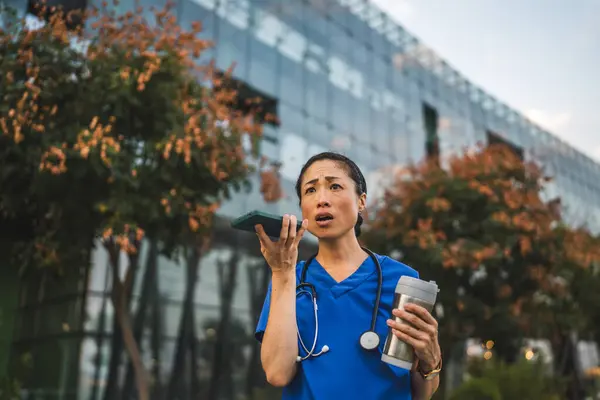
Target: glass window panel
361, 58
318, 132
234, 11
339, 40
263, 67
360, 154
171, 279
207, 4
380, 44
267, 27
291, 82
93, 306
416, 139
381, 76
359, 29
269, 146
171, 314
340, 15
289, 203
380, 131
231, 47
292, 43
316, 25
361, 117
399, 140
293, 154
192, 12
317, 86
341, 114
314, 148
292, 119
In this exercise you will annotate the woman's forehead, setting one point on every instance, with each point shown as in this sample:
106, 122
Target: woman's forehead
326, 168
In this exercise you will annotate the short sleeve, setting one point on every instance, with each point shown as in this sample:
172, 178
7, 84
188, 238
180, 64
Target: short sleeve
261, 326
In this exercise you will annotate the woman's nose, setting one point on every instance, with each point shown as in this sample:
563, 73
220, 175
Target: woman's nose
323, 200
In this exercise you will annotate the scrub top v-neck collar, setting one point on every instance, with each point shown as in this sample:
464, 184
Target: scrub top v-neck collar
317, 274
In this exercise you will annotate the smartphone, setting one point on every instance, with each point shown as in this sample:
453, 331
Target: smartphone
271, 223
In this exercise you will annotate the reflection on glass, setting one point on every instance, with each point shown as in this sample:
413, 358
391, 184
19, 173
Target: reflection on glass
291, 82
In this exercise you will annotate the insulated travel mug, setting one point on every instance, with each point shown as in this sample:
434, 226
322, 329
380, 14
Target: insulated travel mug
408, 290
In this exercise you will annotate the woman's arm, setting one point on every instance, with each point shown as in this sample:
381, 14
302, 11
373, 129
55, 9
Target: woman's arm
421, 333
279, 345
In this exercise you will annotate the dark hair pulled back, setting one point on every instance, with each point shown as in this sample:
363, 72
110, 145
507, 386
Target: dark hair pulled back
351, 169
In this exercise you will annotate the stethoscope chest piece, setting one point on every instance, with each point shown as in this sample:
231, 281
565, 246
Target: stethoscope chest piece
369, 340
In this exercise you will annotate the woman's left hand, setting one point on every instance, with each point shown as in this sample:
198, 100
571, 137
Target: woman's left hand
421, 333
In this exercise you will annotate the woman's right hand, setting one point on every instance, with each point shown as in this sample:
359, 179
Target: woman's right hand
282, 255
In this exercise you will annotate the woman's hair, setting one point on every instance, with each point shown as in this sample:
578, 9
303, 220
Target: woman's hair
351, 169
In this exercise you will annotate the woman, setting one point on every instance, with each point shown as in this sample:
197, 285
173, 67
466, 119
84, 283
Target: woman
332, 193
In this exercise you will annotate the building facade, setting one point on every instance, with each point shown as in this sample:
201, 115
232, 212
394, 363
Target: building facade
343, 76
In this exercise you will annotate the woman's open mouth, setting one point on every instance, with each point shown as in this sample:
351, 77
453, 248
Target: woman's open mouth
324, 220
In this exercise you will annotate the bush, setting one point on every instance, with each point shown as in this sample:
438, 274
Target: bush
477, 389
500, 381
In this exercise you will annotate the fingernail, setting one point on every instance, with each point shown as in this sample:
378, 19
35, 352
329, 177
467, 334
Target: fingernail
390, 322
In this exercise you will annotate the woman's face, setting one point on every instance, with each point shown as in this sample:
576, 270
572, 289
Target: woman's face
329, 200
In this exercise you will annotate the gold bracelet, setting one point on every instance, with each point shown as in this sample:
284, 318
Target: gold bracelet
431, 374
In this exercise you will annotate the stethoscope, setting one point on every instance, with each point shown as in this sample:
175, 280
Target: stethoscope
369, 340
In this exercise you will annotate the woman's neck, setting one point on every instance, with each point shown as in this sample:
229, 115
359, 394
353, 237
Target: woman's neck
343, 252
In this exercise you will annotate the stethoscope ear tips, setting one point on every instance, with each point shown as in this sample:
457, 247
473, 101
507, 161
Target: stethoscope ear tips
325, 349
298, 359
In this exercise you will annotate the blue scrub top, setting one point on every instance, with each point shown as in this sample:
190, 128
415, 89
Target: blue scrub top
346, 371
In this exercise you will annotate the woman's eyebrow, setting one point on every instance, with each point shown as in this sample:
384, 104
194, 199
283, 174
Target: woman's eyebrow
328, 178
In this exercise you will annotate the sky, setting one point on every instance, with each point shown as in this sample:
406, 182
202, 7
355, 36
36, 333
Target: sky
540, 57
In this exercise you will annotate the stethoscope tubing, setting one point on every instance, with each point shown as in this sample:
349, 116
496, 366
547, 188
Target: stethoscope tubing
303, 285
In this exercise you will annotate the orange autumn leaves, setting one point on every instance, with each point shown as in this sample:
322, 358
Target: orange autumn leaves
177, 161
484, 206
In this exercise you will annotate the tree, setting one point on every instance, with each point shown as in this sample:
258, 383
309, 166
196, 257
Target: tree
113, 134
480, 228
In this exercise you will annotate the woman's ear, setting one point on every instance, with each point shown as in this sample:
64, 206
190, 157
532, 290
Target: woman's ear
362, 202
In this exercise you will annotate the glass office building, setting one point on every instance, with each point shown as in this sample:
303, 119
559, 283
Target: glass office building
343, 76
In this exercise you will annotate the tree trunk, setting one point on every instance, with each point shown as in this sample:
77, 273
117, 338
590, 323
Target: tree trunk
121, 295
140, 318
566, 365
227, 289
258, 281
157, 331
186, 332
116, 341
132, 348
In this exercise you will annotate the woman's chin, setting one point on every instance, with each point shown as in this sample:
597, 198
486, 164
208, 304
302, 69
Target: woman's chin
329, 234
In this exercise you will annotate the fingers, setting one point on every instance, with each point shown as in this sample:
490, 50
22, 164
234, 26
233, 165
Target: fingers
422, 313
408, 331
285, 228
416, 321
416, 344
301, 231
262, 236
292, 231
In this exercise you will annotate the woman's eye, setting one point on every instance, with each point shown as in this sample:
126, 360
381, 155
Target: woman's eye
309, 190
336, 186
